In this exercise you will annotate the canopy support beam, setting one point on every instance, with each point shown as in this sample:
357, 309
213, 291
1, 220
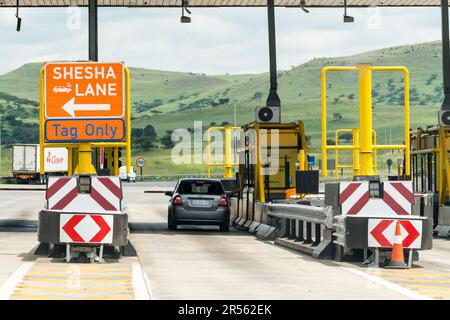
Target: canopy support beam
445, 55
93, 30
273, 100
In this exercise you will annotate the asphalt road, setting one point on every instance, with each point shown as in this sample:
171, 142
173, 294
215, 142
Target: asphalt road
198, 263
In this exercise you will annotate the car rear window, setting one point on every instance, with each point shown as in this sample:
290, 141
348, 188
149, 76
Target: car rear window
200, 187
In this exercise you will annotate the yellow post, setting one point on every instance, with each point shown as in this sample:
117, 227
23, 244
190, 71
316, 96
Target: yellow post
336, 154
209, 152
375, 154
228, 159
116, 161
365, 119
259, 178
109, 155
85, 159
41, 122
407, 124
70, 162
324, 122
355, 152
301, 160
128, 120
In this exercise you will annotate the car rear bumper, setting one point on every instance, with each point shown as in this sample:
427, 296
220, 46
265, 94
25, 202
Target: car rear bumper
183, 216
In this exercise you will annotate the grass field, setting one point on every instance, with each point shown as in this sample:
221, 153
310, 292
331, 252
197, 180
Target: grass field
173, 100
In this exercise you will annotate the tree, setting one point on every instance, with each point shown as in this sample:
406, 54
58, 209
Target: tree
167, 142
136, 132
346, 136
337, 116
149, 131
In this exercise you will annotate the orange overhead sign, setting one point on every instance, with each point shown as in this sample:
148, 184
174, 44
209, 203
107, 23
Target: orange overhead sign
84, 99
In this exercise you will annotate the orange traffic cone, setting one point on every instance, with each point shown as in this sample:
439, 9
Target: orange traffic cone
397, 258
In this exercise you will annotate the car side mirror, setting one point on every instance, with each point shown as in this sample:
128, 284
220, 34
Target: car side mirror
168, 193
230, 193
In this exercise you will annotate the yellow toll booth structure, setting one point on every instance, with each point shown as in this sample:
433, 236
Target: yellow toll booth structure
227, 150
366, 210
364, 138
355, 154
270, 156
431, 174
85, 106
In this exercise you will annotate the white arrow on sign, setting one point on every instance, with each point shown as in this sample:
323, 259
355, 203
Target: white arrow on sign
70, 107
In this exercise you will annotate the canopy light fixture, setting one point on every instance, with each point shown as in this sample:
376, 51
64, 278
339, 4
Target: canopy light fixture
185, 19
19, 19
347, 18
303, 6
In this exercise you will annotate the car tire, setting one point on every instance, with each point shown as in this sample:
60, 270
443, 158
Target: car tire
171, 225
225, 227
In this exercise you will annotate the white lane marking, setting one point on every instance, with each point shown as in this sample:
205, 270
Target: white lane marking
140, 282
8, 287
390, 285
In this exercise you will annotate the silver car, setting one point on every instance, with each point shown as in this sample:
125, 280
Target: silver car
199, 201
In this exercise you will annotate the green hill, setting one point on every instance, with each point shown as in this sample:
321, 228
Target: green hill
171, 100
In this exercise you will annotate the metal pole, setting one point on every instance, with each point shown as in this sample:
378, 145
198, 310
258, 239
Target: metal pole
93, 48
365, 119
85, 159
228, 156
93, 31
273, 100
355, 152
116, 161
445, 55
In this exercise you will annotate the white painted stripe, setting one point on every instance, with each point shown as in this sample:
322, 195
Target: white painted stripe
397, 196
61, 193
106, 193
356, 195
8, 287
140, 282
390, 285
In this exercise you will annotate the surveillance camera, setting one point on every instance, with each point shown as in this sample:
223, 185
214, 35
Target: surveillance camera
185, 19
349, 19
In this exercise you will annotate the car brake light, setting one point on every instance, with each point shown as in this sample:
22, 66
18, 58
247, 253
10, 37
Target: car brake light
223, 202
177, 200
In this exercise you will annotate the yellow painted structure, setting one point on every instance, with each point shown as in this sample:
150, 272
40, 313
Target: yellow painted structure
365, 146
291, 148
430, 161
355, 164
228, 163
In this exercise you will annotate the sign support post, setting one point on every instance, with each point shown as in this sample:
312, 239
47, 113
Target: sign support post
128, 119
85, 159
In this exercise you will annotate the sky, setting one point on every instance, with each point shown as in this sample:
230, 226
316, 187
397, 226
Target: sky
218, 41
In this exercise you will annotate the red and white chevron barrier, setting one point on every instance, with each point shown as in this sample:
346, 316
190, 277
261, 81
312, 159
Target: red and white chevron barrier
397, 199
105, 196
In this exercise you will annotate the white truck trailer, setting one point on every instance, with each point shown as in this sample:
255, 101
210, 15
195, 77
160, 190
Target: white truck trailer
26, 162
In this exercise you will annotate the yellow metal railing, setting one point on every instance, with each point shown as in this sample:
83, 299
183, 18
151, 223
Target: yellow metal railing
355, 164
365, 147
85, 148
228, 164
